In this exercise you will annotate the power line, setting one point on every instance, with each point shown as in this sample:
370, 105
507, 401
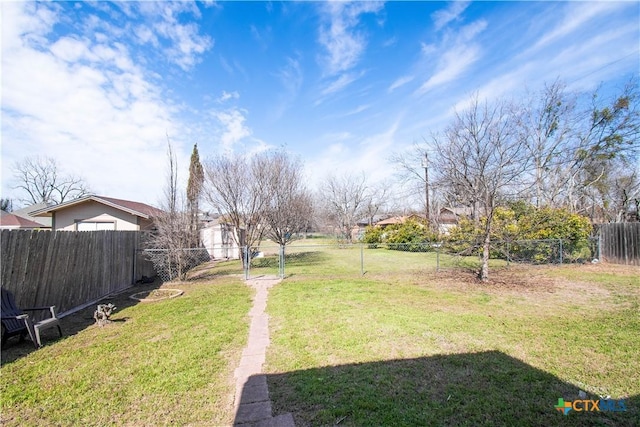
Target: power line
604, 66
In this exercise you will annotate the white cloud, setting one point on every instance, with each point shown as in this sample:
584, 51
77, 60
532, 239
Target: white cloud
181, 42
452, 65
452, 13
85, 102
400, 82
343, 43
390, 42
234, 130
457, 53
261, 36
340, 83
576, 16
187, 44
359, 109
26, 24
232, 67
145, 35
291, 77
346, 153
227, 96
582, 62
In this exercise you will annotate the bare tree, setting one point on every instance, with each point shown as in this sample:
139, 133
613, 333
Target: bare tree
345, 201
609, 145
173, 235
481, 159
40, 180
415, 172
235, 188
379, 200
546, 124
288, 208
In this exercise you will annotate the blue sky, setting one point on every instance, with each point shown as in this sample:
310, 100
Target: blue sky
100, 85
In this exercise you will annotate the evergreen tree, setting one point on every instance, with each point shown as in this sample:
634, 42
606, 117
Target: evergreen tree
194, 189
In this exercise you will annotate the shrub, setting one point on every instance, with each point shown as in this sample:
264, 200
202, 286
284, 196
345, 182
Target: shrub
372, 236
521, 221
411, 235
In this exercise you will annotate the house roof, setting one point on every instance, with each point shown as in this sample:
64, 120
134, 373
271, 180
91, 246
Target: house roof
9, 220
460, 210
134, 208
396, 220
391, 221
374, 220
26, 213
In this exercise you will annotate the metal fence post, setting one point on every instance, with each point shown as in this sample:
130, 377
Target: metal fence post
438, 257
246, 263
561, 251
362, 259
281, 272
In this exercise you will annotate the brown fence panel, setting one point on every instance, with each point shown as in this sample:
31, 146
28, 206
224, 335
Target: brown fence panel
66, 269
620, 243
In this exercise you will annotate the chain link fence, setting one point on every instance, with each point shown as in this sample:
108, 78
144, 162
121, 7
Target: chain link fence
307, 258
172, 264
341, 259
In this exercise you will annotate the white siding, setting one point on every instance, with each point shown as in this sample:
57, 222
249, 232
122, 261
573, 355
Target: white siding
92, 212
218, 241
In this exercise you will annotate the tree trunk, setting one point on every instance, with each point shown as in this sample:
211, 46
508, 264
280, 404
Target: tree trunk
484, 271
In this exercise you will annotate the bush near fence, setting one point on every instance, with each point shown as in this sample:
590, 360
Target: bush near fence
67, 269
546, 251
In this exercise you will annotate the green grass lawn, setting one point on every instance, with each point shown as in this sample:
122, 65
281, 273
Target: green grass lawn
324, 257
393, 349
168, 362
401, 345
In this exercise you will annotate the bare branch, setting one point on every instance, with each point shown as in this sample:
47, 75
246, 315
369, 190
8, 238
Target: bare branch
40, 180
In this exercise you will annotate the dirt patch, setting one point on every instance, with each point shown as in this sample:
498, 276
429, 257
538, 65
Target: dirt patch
508, 280
571, 285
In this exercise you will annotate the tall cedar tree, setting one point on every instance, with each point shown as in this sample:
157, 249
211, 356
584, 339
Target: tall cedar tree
194, 189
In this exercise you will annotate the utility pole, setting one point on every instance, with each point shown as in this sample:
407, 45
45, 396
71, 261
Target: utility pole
425, 165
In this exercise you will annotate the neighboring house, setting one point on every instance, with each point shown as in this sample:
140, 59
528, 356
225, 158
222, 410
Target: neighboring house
93, 213
9, 221
449, 218
219, 238
394, 220
26, 213
361, 226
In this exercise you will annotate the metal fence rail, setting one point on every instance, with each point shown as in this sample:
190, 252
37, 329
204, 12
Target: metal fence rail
304, 258
361, 258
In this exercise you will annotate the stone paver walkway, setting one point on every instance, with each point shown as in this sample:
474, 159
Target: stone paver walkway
252, 403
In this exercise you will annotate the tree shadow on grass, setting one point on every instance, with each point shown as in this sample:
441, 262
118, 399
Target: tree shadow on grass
472, 389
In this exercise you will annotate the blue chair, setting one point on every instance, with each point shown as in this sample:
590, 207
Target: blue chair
16, 322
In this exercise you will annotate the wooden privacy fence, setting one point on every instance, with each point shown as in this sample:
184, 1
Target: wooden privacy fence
68, 269
620, 243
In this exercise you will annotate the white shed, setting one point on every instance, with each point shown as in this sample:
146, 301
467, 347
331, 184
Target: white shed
220, 240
